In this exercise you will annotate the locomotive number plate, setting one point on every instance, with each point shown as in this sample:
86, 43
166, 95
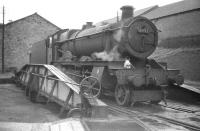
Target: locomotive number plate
142, 30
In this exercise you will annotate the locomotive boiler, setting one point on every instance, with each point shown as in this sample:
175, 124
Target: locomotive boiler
117, 55
133, 37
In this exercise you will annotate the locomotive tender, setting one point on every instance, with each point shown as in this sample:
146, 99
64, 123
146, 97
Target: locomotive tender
116, 54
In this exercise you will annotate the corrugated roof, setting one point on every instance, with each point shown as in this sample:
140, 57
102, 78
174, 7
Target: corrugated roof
145, 10
136, 13
174, 8
154, 12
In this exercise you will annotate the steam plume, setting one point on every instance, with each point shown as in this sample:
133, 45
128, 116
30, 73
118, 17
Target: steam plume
109, 56
113, 54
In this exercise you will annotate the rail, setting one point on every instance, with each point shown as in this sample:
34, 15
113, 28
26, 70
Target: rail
138, 114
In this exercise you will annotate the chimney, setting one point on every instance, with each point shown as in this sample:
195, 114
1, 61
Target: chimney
87, 25
127, 12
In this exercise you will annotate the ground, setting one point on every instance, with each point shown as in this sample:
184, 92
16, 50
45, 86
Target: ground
15, 107
17, 113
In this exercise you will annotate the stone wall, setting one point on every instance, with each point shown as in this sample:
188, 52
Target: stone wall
21, 34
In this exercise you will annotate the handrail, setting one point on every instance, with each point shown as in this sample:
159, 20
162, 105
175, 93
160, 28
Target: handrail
48, 77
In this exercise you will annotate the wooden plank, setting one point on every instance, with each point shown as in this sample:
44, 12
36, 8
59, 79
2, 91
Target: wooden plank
61, 74
63, 77
191, 88
58, 74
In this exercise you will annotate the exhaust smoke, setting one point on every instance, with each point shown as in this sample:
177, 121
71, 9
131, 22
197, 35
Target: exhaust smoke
109, 56
113, 53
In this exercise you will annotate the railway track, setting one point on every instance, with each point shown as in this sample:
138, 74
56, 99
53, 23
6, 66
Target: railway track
178, 108
132, 113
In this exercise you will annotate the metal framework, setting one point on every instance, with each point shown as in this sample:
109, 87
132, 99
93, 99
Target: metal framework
50, 82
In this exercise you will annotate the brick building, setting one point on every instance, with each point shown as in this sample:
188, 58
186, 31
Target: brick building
179, 23
179, 39
21, 34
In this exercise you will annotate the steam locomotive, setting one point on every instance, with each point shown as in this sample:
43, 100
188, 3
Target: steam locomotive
116, 54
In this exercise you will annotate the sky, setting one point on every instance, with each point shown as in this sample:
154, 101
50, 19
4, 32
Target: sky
72, 14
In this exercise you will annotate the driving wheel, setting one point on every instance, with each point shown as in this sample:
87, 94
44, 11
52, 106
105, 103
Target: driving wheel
90, 87
122, 95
